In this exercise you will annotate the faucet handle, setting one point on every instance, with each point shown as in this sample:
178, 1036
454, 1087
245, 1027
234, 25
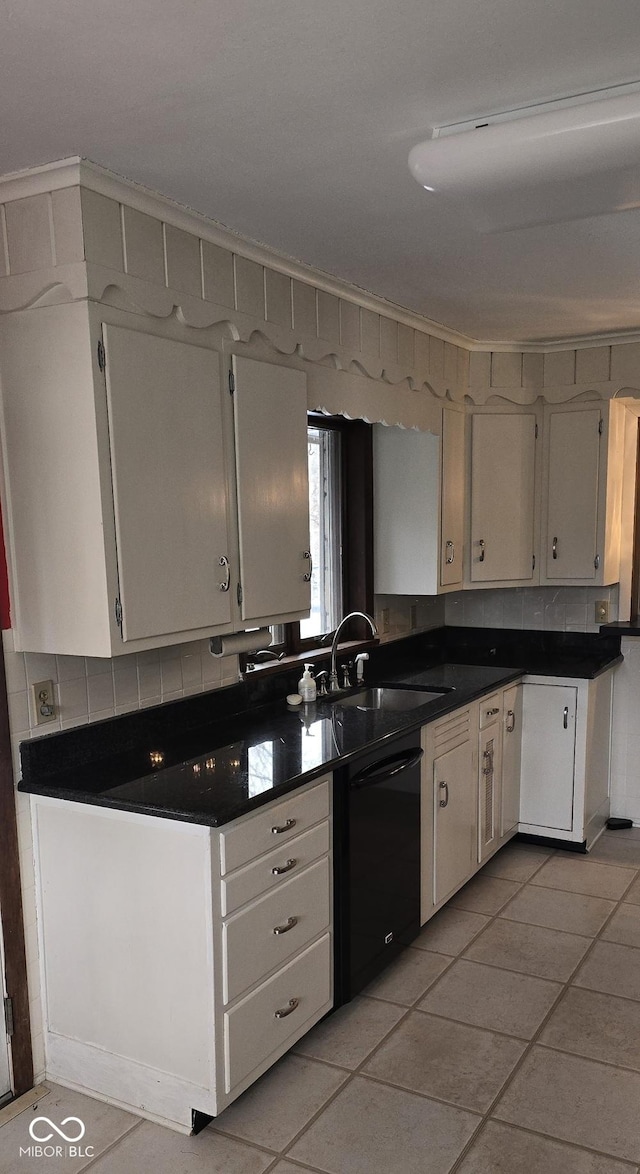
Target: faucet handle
321, 682
346, 682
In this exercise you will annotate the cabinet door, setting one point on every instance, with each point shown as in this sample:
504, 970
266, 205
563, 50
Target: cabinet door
489, 780
548, 755
502, 497
452, 498
511, 756
454, 819
169, 483
572, 485
270, 413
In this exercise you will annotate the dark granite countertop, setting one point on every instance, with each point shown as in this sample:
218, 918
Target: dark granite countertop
211, 758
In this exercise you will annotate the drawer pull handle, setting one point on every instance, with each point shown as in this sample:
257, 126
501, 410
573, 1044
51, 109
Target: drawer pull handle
280, 868
493, 712
450, 557
511, 721
565, 717
280, 929
482, 550
283, 827
282, 1012
444, 787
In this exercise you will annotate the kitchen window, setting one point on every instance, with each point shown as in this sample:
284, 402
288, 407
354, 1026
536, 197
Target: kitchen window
341, 531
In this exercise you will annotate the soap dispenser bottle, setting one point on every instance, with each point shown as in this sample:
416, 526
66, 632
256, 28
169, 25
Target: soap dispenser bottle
307, 685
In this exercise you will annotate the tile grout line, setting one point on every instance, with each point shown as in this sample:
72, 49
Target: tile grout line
112, 1146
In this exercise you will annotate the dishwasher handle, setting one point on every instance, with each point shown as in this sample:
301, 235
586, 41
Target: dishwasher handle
387, 768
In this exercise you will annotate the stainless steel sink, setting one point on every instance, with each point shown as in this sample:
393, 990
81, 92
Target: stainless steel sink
388, 698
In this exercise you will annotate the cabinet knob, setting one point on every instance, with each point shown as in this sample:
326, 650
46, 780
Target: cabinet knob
289, 924
290, 1007
281, 868
223, 561
283, 827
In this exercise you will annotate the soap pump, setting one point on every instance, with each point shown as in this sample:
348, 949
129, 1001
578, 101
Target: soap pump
307, 685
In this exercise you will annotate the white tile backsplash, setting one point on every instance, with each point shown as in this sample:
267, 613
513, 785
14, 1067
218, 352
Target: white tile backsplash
557, 609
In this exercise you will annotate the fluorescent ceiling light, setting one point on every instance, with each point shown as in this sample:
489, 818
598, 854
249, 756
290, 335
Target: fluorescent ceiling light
537, 168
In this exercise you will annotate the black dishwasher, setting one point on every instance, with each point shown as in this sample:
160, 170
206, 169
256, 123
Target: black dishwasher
377, 862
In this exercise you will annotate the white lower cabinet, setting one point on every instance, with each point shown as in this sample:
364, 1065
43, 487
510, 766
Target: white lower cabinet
180, 962
565, 757
470, 792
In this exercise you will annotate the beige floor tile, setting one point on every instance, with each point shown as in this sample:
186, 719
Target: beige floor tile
451, 1061
103, 1126
484, 894
450, 931
576, 1100
624, 926
516, 862
347, 1037
529, 949
372, 1129
578, 874
613, 969
280, 1103
502, 1149
612, 847
598, 1026
496, 999
409, 977
555, 909
634, 893
154, 1150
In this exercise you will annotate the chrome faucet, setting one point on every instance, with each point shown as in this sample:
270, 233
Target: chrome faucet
334, 684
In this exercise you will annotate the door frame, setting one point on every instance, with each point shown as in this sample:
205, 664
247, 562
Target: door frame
21, 1059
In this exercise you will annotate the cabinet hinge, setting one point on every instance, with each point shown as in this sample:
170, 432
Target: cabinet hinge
8, 1015
232, 383
118, 613
102, 361
239, 593
600, 426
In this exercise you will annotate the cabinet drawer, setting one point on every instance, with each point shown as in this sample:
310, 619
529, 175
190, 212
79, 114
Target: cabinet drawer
251, 945
255, 834
274, 869
253, 1033
490, 710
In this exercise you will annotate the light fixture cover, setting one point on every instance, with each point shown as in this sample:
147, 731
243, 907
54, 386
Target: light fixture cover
541, 168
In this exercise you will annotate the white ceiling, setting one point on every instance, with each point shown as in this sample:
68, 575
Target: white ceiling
291, 121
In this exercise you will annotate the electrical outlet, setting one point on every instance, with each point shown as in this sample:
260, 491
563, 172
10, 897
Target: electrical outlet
385, 619
602, 611
44, 704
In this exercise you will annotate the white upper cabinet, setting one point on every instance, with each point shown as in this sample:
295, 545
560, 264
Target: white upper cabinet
419, 507
116, 485
582, 494
169, 486
270, 415
452, 497
502, 508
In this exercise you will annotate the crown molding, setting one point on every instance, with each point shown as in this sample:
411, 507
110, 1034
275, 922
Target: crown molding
75, 171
